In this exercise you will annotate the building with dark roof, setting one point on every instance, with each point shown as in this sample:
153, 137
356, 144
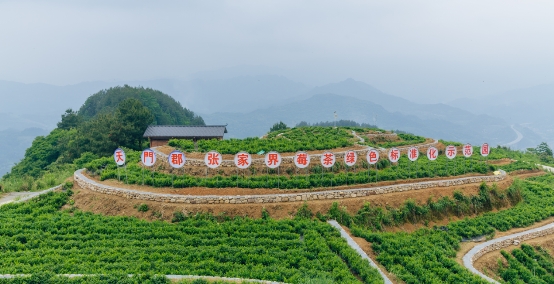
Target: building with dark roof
159, 135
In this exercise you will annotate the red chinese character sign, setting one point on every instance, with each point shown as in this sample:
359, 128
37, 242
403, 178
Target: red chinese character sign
148, 157
394, 155
243, 160
327, 159
212, 159
432, 153
372, 156
485, 150
350, 158
468, 150
413, 154
301, 159
451, 152
119, 157
272, 159
176, 159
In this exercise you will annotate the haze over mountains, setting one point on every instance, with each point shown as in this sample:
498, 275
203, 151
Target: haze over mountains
361, 102
250, 102
526, 108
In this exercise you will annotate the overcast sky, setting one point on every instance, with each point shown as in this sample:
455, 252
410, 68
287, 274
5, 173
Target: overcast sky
427, 49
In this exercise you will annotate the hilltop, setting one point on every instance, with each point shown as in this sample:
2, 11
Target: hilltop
111, 118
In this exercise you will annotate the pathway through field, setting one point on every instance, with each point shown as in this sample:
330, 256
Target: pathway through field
23, 196
506, 241
357, 248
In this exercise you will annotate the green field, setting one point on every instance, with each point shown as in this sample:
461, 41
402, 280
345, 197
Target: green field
289, 178
427, 255
527, 265
296, 139
290, 140
36, 236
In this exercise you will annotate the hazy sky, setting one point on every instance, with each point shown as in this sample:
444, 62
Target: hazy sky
430, 49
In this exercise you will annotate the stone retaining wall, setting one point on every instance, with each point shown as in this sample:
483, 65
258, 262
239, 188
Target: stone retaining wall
89, 184
503, 242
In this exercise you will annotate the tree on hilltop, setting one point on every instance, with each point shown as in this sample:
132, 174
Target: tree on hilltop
70, 119
278, 126
544, 152
165, 109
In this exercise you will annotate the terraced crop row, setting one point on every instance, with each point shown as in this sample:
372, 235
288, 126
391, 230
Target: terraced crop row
290, 140
316, 177
427, 255
527, 265
37, 236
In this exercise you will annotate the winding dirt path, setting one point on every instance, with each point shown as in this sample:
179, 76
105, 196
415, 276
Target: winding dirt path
500, 243
506, 241
24, 195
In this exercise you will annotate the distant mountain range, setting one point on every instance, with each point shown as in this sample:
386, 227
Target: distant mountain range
250, 102
475, 129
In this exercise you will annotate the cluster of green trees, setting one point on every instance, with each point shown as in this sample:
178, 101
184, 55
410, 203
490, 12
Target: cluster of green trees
38, 236
544, 153
278, 126
109, 119
527, 265
427, 255
165, 109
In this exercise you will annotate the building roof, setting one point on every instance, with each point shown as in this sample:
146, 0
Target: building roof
184, 131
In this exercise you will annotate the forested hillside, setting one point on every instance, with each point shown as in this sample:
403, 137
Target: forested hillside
116, 117
166, 110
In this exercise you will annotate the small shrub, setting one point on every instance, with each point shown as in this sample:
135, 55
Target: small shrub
40, 185
304, 212
157, 214
178, 217
265, 214
142, 207
67, 185
50, 180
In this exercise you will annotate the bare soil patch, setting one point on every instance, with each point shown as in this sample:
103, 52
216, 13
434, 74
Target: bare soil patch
523, 174
501, 162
